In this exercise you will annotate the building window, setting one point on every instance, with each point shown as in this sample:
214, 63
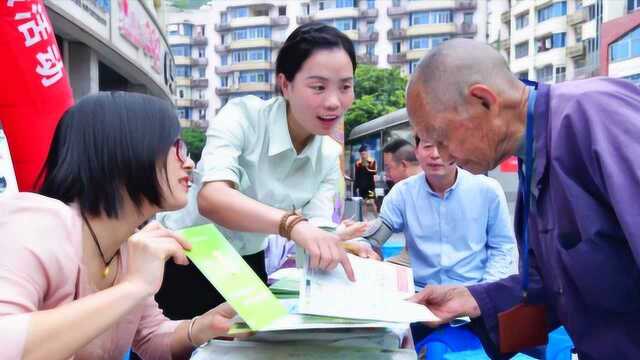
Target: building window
591, 45
522, 21
522, 50
468, 18
282, 11
545, 74
371, 26
321, 5
552, 41
259, 54
524, 75
201, 52
183, 71
395, 3
239, 12
551, 11
253, 77
262, 32
346, 24
395, 24
184, 113
181, 50
201, 73
305, 9
431, 17
344, 3
224, 82
626, 48
181, 93
561, 74
187, 29
200, 30
635, 78
371, 4
412, 66
396, 47
633, 5
370, 51
223, 59
427, 42
172, 29
202, 114
261, 12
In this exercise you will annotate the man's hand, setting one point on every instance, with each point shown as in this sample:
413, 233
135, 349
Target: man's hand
447, 302
360, 249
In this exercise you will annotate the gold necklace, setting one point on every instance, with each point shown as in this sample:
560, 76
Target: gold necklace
105, 272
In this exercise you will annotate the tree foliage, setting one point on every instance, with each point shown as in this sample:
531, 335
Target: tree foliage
195, 140
378, 92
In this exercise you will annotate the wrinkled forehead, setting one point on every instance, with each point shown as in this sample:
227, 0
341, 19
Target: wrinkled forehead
427, 124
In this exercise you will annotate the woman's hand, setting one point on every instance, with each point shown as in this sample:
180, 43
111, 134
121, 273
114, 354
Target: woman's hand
349, 229
214, 323
323, 248
148, 250
361, 249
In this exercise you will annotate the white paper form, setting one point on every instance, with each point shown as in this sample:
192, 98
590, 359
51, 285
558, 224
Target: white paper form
377, 294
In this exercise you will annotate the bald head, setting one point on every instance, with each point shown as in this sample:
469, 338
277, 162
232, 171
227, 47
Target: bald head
447, 71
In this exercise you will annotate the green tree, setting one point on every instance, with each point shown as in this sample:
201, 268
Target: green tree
195, 140
378, 92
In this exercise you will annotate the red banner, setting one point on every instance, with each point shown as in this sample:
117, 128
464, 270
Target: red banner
34, 91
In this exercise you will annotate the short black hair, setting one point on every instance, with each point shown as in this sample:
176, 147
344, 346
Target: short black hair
401, 150
363, 148
306, 39
108, 143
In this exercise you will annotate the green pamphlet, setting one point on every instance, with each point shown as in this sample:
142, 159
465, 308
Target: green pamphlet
232, 277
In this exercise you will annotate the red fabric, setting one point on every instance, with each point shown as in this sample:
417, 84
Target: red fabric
509, 165
34, 90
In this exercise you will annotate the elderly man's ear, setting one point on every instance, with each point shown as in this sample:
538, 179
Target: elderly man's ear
483, 94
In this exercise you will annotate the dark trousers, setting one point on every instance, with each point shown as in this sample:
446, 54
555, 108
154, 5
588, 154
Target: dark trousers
186, 293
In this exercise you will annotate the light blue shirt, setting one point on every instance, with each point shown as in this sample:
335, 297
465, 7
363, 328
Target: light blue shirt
464, 238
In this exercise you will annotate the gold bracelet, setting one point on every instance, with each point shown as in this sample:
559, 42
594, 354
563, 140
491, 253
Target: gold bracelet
190, 330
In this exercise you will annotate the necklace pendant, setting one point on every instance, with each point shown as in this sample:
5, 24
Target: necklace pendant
105, 273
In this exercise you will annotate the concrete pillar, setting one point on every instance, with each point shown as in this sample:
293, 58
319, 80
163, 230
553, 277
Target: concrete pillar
83, 70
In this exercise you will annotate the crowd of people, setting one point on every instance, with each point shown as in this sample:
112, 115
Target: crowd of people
85, 253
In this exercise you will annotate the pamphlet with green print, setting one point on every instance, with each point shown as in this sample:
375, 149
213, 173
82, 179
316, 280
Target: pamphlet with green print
232, 277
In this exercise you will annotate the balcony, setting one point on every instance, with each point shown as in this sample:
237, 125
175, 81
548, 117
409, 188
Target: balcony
505, 44
301, 20
254, 43
586, 71
179, 40
245, 88
183, 81
279, 21
432, 29
366, 36
367, 59
199, 103
466, 29
506, 17
183, 103
223, 69
466, 4
368, 13
199, 40
182, 60
222, 27
576, 51
576, 18
396, 34
200, 83
222, 48
397, 58
203, 61
396, 11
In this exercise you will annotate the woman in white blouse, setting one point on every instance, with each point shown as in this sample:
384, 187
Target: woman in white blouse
264, 158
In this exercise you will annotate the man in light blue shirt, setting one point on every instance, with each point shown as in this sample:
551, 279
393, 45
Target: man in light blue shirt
456, 224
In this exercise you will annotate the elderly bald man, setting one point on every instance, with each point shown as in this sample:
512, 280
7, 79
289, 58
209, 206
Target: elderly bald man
578, 144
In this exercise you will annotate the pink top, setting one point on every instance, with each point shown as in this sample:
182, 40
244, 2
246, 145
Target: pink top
41, 268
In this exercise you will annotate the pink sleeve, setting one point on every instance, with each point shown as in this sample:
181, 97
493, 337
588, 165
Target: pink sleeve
36, 262
153, 337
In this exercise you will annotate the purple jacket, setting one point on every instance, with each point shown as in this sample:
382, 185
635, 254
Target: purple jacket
584, 229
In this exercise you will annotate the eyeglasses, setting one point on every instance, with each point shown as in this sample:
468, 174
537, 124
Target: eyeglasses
181, 150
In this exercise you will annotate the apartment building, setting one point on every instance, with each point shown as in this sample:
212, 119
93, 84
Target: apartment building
244, 37
188, 34
556, 40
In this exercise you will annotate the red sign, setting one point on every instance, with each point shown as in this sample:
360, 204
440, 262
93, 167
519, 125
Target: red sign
34, 92
509, 165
